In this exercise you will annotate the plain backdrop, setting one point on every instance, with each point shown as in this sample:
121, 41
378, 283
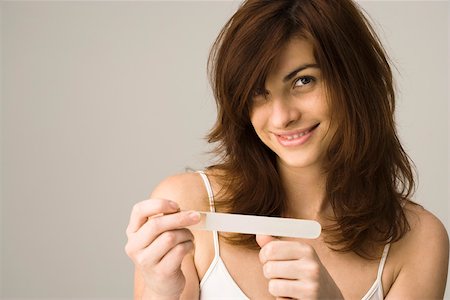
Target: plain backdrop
102, 100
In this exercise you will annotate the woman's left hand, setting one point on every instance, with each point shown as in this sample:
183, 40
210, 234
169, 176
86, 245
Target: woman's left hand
294, 270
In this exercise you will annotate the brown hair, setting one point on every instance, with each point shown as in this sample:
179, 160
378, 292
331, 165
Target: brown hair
369, 175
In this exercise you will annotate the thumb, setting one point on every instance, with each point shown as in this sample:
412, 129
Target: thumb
262, 240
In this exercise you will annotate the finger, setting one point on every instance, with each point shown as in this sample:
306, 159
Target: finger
262, 240
155, 226
166, 241
171, 262
290, 269
285, 250
285, 288
145, 209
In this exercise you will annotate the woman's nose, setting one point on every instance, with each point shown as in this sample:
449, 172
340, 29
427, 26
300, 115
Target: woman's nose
283, 113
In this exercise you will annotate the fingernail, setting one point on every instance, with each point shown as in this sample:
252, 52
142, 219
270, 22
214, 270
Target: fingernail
174, 205
194, 215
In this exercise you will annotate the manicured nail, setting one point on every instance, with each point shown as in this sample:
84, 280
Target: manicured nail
194, 215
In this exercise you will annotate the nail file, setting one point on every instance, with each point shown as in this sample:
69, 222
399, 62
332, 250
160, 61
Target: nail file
282, 227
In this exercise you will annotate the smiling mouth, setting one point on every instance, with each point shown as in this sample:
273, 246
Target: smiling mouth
297, 135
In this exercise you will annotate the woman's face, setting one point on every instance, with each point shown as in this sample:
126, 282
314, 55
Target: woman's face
293, 118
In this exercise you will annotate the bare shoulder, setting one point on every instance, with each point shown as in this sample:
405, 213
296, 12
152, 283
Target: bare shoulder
426, 228
187, 189
421, 257
427, 237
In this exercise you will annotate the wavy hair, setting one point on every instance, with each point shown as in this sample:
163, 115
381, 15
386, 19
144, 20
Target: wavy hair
369, 175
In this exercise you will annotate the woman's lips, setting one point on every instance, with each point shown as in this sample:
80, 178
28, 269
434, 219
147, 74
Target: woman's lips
296, 138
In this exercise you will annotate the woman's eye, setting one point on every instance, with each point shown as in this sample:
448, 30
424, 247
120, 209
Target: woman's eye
259, 92
303, 81
259, 96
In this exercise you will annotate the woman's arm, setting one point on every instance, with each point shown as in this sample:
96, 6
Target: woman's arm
424, 254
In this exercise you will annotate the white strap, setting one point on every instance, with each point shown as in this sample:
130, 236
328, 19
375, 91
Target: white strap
383, 261
209, 190
212, 209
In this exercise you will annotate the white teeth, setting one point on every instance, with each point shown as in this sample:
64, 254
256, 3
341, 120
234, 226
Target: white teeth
296, 136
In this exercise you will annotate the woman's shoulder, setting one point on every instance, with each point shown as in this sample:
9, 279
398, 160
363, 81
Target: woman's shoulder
427, 234
421, 255
425, 227
187, 189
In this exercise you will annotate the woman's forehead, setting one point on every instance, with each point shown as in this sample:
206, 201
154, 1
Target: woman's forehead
297, 54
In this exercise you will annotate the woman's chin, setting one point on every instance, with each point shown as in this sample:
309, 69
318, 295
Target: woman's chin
298, 162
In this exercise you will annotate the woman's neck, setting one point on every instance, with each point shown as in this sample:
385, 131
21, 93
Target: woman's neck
305, 192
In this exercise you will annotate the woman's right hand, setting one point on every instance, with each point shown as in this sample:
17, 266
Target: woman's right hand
158, 240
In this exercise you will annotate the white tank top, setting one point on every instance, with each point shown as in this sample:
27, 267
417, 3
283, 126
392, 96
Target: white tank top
217, 282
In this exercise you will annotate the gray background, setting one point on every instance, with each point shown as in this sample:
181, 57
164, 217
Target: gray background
101, 100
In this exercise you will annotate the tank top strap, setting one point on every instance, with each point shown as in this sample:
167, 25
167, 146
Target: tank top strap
383, 261
208, 190
211, 208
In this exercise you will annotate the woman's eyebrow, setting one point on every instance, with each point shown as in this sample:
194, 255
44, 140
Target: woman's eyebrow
300, 68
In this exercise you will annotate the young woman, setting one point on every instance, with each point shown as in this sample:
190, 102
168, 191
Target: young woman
304, 130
